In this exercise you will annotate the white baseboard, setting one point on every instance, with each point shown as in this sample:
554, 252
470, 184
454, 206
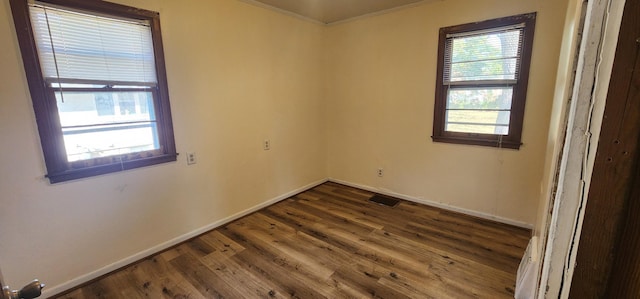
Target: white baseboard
438, 204
50, 291
527, 278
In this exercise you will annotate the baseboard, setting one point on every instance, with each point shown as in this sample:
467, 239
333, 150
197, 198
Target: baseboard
437, 204
58, 289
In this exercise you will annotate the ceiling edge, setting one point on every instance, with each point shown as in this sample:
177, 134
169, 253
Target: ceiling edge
381, 12
304, 18
282, 11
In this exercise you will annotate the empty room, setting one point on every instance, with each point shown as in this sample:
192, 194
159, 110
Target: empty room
317, 148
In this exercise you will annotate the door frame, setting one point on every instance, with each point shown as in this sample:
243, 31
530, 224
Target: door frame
610, 195
585, 114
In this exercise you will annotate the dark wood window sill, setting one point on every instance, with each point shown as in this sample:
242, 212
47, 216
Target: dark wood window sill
86, 172
478, 141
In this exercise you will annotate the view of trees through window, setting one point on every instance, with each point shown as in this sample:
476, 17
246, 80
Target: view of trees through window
489, 59
481, 87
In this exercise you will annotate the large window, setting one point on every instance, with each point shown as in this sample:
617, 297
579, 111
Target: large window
97, 80
481, 87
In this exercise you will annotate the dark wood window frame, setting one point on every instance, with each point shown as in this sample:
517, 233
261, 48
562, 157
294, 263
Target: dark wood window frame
513, 139
44, 101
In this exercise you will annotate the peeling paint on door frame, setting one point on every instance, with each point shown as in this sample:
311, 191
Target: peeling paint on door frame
586, 110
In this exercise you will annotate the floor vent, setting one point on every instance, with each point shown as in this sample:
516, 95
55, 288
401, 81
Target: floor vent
384, 200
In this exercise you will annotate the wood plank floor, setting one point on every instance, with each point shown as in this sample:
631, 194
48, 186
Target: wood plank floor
330, 242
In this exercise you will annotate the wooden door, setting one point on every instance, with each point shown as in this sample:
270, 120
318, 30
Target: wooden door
625, 276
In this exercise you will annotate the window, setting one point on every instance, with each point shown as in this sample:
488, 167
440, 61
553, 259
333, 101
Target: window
97, 80
481, 87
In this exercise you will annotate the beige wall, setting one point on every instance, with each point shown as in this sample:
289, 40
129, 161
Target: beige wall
238, 74
380, 96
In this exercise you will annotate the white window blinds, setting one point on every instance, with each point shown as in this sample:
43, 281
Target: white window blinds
484, 55
77, 47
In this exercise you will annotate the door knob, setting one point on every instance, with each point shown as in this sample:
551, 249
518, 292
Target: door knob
30, 291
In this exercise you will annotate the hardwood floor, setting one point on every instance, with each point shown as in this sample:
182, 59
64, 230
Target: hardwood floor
331, 242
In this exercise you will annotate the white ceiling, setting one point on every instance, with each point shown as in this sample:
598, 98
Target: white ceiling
331, 11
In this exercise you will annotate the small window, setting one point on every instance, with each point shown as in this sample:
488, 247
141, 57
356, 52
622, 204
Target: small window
481, 87
97, 80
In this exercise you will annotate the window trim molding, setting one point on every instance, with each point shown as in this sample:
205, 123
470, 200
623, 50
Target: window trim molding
514, 139
44, 105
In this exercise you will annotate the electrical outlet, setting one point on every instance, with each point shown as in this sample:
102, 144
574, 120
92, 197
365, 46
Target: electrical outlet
380, 172
266, 145
191, 158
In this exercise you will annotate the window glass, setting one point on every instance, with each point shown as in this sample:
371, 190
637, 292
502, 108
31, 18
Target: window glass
489, 56
101, 124
479, 110
482, 81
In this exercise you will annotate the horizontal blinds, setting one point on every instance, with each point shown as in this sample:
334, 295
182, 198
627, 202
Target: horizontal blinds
484, 56
75, 46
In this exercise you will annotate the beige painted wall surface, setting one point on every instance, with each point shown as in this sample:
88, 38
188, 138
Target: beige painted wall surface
380, 93
238, 74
